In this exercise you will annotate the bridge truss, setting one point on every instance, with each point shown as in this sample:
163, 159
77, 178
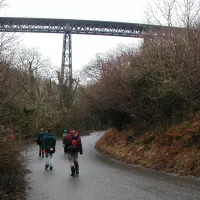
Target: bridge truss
67, 27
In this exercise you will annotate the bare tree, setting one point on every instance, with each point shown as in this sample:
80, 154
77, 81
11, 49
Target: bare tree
35, 81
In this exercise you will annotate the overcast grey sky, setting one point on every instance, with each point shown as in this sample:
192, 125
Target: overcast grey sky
84, 47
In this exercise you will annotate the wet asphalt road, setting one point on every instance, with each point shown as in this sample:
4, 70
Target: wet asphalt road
103, 179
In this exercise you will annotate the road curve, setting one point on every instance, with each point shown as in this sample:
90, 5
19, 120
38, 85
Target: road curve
103, 179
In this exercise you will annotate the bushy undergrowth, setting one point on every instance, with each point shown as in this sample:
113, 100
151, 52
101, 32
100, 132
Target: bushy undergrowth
158, 83
12, 169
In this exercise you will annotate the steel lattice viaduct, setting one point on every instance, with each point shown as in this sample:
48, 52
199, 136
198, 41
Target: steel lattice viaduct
67, 27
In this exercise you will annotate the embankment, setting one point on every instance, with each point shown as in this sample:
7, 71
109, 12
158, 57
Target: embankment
12, 169
176, 150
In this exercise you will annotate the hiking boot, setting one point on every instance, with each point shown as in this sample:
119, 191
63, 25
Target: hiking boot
73, 171
77, 171
76, 167
51, 167
46, 167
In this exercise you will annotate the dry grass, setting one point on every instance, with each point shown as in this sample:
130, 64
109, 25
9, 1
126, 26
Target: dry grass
177, 150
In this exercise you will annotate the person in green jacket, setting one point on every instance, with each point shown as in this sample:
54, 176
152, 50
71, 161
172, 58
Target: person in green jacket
65, 132
40, 139
49, 144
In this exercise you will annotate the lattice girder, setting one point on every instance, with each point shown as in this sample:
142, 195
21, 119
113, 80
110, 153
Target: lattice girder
44, 25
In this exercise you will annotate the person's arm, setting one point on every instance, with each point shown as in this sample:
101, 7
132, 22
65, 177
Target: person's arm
81, 147
55, 141
44, 143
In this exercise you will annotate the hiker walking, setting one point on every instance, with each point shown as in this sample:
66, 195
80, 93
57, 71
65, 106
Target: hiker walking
48, 147
65, 132
73, 146
40, 139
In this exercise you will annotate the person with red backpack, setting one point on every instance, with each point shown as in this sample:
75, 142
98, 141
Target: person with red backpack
73, 146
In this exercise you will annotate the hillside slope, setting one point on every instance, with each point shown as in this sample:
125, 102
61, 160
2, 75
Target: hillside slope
176, 150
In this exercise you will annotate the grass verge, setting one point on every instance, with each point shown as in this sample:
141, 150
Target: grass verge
176, 150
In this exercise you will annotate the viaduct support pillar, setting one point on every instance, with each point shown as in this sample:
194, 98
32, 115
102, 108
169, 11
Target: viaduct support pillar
66, 80
66, 65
